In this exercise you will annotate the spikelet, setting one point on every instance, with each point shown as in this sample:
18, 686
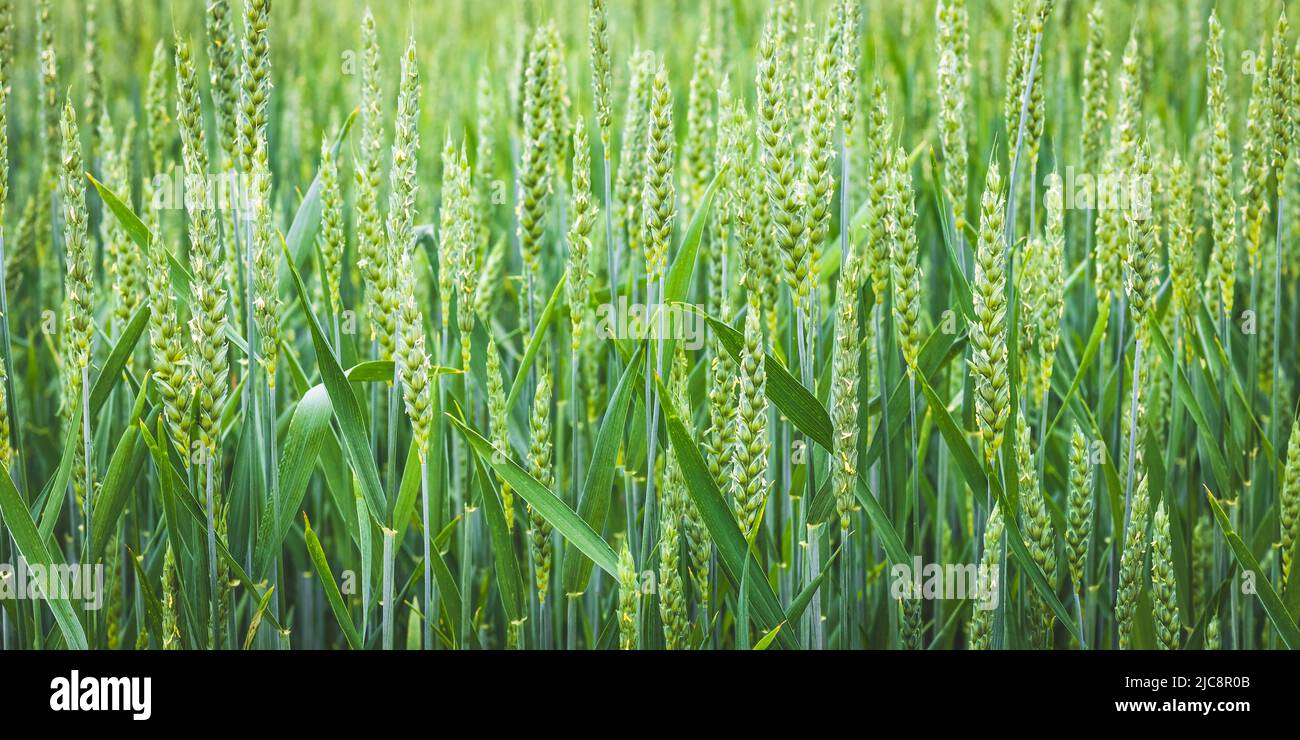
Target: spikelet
988, 330
399, 233
699, 545
904, 261
952, 46
750, 449
878, 188
485, 141
557, 101
844, 393
658, 196
457, 247
1182, 246
254, 80
1202, 562
371, 249
1118, 168
602, 75
1035, 17
255, 86
582, 216
499, 424
1289, 501
981, 626
332, 238
78, 298
6, 42
79, 286
1257, 151
209, 363
1212, 638
631, 158
1078, 530
7, 454
1164, 593
629, 597
466, 259
121, 259
534, 181
6, 449
171, 365
672, 598
449, 227
1131, 564
701, 134
413, 361
1096, 83
731, 212
1281, 105
51, 113
539, 466
222, 65
1035, 520
777, 159
730, 157
171, 608
912, 632
1142, 257
819, 145
1016, 57
92, 75
850, 22
1053, 277
1221, 275
157, 131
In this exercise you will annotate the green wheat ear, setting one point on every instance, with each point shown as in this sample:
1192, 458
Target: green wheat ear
1289, 511
749, 457
540, 467
988, 329
981, 626
1164, 593
1079, 515
629, 596
1132, 559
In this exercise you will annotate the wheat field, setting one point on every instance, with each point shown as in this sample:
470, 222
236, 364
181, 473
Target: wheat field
709, 324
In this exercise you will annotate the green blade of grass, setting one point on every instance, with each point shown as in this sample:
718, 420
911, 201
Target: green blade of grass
1268, 598
565, 520
593, 504
30, 544
308, 427
307, 218
117, 359
733, 552
346, 409
535, 343
330, 586
510, 583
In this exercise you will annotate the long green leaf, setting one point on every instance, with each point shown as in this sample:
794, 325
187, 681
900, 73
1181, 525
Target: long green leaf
565, 520
1268, 598
330, 586
593, 504
346, 408
733, 551
31, 546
